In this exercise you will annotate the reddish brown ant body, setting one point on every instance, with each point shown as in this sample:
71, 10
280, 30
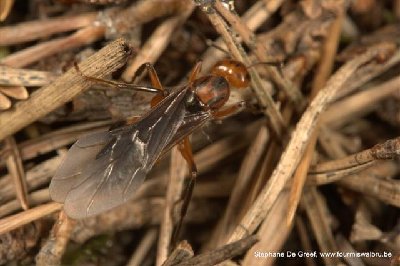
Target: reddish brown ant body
103, 170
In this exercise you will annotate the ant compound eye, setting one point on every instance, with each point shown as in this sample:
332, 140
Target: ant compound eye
212, 91
233, 71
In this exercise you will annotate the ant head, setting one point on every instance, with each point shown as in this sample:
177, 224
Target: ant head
233, 71
212, 91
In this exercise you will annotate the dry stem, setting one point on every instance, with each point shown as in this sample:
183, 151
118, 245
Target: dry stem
35, 198
54, 247
220, 254
32, 54
32, 30
144, 247
181, 252
177, 174
24, 77
48, 98
17, 220
317, 211
16, 170
273, 233
359, 104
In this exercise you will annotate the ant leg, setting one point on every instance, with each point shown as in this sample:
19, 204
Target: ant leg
195, 71
155, 82
124, 122
229, 110
132, 120
186, 150
115, 84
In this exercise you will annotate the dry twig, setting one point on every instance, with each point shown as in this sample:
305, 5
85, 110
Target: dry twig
107, 60
12, 222
54, 248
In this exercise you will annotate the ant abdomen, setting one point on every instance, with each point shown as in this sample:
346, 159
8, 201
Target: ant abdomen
233, 71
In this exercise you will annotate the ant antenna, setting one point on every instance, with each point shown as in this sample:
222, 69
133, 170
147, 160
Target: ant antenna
212, 44
278, 64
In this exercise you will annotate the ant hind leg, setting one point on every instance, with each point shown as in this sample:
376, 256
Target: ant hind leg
115, 84
186, 151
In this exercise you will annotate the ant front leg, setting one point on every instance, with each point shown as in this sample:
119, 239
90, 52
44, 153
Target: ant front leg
186, 150
124, 122
229, 110
155, 82
195, 71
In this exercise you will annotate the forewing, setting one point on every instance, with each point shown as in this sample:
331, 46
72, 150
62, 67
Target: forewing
79, 155
111, 176
105, 180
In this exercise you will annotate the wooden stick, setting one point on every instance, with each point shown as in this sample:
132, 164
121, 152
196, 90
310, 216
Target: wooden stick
38, 176
144, 247
305, 240
35, 198
345, 246
221, 254
329, 177
273, 233
181, 252
367, 73
53, 249
178, 171
17, 220
34, 53
58, 138
376, 182
16, 92
359, 104
24, 77
317, 211
16, 170
390, 149
63, 89
32, 30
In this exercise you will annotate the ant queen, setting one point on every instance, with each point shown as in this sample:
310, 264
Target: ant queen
103, 170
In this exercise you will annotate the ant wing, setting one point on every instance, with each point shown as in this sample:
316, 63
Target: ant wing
103, 170
190, 123
79, 155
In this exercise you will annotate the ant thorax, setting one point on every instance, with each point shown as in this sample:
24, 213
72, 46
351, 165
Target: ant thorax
212, 91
